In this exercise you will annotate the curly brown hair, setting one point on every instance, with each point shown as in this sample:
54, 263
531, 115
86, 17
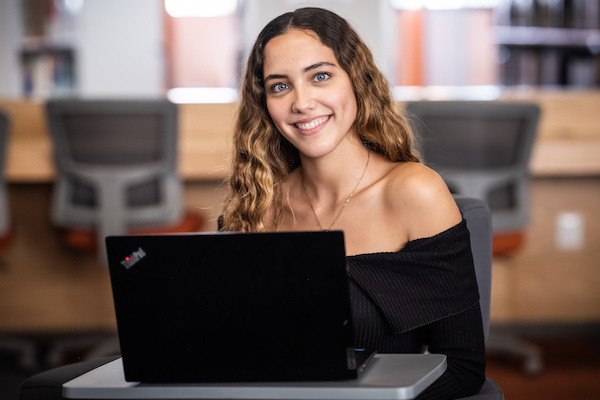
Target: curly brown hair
263, 158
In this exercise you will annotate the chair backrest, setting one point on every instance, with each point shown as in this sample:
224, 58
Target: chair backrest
4, 209
116, 163
481, 150
477, 214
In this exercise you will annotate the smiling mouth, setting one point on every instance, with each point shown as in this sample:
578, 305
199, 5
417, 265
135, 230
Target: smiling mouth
312, 124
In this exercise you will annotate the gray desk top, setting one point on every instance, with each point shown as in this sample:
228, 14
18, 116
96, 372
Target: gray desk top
389, 377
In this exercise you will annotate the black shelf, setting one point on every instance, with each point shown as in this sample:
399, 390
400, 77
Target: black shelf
529, 36
549, 42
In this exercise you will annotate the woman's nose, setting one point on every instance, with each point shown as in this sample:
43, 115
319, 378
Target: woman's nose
303, 100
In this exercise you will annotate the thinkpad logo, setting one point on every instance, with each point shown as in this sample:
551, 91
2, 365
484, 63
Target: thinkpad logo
133, 258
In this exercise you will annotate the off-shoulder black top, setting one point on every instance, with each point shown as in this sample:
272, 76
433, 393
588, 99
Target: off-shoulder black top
424, 295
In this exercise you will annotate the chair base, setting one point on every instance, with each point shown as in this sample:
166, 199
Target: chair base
507, 345
505, 244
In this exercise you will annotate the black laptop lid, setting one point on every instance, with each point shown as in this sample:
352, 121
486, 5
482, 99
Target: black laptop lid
232, 307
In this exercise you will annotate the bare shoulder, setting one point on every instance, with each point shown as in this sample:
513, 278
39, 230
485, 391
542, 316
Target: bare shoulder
421, 198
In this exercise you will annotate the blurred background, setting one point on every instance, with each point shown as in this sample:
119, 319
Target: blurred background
55, 299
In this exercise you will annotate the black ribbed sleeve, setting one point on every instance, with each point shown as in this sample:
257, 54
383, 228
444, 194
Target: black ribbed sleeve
423, 295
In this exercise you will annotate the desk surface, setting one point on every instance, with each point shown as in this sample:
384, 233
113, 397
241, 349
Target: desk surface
390, 376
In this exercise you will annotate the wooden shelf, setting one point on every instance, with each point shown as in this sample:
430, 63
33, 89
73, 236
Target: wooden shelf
568, 140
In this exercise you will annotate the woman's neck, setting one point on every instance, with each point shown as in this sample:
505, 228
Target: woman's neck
331, 178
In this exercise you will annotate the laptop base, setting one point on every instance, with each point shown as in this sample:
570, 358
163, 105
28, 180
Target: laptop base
388, 377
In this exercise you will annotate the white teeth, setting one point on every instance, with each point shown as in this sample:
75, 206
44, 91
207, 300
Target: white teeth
314, 123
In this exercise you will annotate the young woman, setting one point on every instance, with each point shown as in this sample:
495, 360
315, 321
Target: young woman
318, 145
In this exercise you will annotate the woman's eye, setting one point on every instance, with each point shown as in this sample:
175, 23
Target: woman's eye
278, 87
321, 76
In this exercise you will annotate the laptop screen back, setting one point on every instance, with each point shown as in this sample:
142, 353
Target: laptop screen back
232, 307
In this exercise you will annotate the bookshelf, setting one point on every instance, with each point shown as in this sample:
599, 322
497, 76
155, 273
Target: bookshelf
549, 42
47, 70
46, 52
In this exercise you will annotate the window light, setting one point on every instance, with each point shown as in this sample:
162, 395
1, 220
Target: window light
200, 8
444, 4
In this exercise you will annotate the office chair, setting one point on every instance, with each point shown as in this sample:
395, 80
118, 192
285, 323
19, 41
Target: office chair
48, 385
116, 166
482, 150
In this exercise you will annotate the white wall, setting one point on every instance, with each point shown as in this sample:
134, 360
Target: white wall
373, 19
459, 48
10, 33
119, 47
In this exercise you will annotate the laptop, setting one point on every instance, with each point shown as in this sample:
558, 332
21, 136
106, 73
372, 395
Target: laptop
234, 307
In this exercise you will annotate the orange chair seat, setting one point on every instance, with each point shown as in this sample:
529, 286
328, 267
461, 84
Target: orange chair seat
6, 239
508, 242
85, 239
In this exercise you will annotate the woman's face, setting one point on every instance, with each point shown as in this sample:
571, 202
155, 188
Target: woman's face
309, 96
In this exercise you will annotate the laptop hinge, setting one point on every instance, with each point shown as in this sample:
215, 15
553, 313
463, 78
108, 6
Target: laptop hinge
351, 357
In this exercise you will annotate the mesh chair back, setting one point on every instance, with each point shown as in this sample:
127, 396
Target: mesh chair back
481, 150
116, 163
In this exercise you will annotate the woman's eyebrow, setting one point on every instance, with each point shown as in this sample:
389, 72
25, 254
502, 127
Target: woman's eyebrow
275, 76
307, 69
319, 65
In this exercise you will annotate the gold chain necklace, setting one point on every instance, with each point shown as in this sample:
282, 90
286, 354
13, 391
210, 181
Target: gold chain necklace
345, 203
